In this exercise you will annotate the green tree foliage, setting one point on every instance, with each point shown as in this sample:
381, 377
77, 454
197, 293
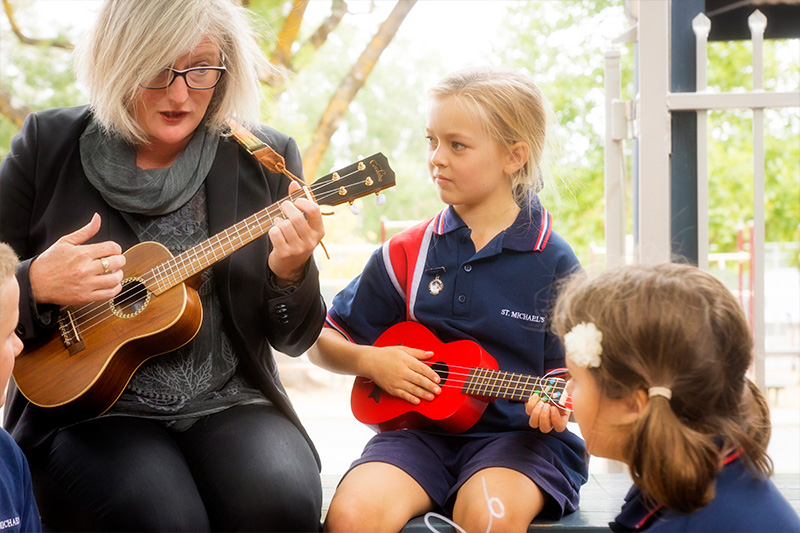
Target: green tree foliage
731, 145
561, 45
39, 76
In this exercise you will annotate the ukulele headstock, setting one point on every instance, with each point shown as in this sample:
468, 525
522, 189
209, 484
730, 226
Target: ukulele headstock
370, 175
552, 388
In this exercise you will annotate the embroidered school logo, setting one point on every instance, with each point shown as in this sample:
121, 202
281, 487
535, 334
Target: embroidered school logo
11, 522
522, 316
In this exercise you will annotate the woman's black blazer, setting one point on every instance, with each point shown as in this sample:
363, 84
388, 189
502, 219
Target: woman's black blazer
44, 194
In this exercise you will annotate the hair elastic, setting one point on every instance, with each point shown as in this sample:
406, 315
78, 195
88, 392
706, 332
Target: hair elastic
660, 391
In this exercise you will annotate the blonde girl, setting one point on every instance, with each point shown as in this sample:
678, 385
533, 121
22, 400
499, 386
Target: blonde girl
483, 270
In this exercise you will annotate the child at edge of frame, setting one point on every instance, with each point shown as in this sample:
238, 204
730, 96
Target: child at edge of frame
641, 342
484, 270
18, 510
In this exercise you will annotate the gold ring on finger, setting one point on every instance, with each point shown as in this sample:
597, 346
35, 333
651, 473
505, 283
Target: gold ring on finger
104, 262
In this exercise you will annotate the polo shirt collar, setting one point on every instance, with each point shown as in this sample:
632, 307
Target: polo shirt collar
525, 234
639, 511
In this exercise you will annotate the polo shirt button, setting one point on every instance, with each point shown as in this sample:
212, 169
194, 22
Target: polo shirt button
463, 239
20, 330
467, 268
462, 298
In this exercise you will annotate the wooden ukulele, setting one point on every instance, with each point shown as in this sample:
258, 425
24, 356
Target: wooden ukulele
85, 366
470, 380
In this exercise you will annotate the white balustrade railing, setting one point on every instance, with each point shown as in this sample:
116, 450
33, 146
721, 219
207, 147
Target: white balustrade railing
654, 103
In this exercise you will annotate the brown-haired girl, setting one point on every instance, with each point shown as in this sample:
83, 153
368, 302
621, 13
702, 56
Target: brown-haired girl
657, 358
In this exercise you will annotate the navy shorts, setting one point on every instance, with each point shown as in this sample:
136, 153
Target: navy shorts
441, 463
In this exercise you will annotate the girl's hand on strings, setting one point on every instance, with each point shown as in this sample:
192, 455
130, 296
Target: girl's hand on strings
545, 416
71, 273
401, 371
294, 238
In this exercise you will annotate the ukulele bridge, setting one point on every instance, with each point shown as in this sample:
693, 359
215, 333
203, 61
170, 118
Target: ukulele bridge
70, 335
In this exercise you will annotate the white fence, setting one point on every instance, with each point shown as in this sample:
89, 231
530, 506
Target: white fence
649, 115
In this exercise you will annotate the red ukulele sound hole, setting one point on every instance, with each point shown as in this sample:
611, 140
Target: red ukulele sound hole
440, 368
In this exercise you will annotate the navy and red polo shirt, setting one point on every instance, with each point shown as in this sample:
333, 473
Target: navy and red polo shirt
742, 503
499, 297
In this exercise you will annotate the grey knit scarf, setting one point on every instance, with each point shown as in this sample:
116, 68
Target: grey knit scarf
110, 165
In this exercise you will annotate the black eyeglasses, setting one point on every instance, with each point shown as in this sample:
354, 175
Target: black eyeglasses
199, 78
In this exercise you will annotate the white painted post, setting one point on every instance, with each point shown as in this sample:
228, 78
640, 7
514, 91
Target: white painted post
613, 156
654, 133
758, 23
702, 26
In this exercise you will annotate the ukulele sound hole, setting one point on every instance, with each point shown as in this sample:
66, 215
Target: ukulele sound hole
132, 300
441, 368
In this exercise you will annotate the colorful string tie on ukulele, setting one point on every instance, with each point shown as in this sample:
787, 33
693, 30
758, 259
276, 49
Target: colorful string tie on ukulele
552, 389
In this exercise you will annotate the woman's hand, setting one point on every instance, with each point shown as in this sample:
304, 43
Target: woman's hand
294, 239
72, 273
546, 416
401, 371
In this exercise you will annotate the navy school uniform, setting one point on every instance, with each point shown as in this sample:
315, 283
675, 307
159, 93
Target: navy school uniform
18, 511
742, 503
499, 297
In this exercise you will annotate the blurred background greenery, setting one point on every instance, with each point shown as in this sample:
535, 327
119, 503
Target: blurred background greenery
559, 43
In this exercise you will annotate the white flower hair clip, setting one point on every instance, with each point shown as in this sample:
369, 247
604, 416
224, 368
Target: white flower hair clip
583, 345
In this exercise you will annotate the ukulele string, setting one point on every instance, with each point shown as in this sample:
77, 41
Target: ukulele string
94, 313
517, 395
98, 309
497, 380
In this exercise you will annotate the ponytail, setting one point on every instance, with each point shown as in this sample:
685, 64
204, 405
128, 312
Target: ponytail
754, 433
672, 463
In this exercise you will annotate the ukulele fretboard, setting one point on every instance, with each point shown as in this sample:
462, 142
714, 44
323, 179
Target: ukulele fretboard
198, 258
512, 386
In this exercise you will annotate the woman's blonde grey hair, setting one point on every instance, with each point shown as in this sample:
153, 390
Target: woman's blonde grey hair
675, 326
512, 109
8, 262
133, 40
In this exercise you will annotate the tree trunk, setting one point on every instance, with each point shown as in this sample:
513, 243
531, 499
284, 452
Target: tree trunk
282, 55
15, 111
284, 60
337, 107
9, 9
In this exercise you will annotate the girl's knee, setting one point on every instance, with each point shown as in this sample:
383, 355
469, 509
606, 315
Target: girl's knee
348, 515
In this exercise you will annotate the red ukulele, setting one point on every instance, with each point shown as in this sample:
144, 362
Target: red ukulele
470, 379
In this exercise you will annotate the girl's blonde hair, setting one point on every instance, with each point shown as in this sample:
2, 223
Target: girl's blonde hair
512, 109
133, 40
8, 262
674, 326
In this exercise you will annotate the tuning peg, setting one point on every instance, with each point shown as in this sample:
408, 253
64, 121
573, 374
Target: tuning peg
353, 208
380, 199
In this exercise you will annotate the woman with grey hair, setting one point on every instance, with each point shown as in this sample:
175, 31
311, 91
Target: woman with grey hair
204, 436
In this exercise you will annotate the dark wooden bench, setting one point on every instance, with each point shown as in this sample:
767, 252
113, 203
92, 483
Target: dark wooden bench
601, 499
